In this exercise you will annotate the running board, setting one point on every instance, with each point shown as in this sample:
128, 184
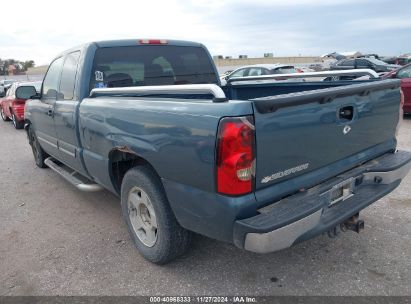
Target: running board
73, 177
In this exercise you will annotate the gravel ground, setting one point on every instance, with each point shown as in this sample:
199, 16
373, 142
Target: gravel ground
55, 240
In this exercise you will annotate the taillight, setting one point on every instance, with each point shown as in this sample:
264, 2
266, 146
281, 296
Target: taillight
401, 114
17, 102
153, 41
235, 155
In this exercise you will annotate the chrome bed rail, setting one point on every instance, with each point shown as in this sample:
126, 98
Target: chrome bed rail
200, 89
354, 72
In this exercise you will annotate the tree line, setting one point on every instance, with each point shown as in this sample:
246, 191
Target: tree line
18, 67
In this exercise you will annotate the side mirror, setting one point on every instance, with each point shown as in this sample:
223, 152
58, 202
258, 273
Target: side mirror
26, 92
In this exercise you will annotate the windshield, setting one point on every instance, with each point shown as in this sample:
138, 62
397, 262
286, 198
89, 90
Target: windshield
151, 65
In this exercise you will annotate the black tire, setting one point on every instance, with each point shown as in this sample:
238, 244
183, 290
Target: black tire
172, 240
38, 152
3, 116
17, 124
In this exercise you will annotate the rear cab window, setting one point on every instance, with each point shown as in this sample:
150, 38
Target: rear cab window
151, 65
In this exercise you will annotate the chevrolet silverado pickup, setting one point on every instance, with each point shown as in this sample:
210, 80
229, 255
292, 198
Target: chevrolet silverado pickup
262, 165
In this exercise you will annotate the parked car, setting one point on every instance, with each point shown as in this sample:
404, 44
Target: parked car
363, 63
260, 69
404, 74
5, 84
369, 56
316, 67
389, 60
334, 55
404, 59
247, 164
12, 108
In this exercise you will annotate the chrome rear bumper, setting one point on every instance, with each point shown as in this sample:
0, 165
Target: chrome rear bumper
310, 213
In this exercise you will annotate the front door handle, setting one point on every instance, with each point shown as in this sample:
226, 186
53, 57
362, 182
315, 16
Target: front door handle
50, 112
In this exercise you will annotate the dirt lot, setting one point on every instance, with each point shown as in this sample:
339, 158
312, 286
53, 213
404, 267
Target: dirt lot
55, 240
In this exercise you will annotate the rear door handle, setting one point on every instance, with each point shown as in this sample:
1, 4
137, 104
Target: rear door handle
50, 112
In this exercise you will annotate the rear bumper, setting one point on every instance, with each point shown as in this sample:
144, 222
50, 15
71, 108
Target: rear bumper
307, 214
407, 108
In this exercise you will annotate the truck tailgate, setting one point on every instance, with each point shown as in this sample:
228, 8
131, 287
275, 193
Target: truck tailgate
303, 132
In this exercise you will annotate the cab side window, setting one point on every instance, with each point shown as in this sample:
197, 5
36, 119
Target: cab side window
51, 81
68, 76
255, 72
239, 73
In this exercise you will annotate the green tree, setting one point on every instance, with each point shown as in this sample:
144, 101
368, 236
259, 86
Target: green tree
28, 64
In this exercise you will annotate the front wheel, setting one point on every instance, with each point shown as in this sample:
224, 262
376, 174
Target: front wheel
151, 223
38, 152
18, 124
3, 115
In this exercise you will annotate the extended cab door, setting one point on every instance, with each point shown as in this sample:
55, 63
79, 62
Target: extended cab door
43, 110
65, 114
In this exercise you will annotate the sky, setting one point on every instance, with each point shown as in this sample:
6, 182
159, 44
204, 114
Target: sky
41, 29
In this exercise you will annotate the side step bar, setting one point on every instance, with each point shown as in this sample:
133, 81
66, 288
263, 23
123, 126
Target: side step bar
80, 182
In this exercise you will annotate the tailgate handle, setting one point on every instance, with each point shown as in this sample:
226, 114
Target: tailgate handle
346, 113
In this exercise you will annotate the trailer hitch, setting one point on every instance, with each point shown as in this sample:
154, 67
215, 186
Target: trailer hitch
353, 223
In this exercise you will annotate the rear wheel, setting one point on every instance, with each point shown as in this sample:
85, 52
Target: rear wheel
38, 152
151, 222
18, 124
3, 115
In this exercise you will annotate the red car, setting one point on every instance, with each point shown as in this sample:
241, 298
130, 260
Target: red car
404, 74
12, 108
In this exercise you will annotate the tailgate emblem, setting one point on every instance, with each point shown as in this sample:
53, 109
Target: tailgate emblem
284, 173
346, 129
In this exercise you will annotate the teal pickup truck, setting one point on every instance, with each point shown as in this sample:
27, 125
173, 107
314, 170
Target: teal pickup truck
262, 165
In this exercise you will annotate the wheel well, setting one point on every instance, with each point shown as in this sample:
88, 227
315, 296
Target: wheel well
120, 162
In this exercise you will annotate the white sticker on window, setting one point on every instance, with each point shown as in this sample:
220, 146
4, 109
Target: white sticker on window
99, 75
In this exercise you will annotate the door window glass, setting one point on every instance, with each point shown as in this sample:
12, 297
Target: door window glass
51, 81
239, 73
255, 72
349, 62
68, 76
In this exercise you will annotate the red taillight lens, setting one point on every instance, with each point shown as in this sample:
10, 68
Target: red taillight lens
235, 155
18, 102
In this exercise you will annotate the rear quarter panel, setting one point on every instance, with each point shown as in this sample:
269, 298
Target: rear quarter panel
177, 137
